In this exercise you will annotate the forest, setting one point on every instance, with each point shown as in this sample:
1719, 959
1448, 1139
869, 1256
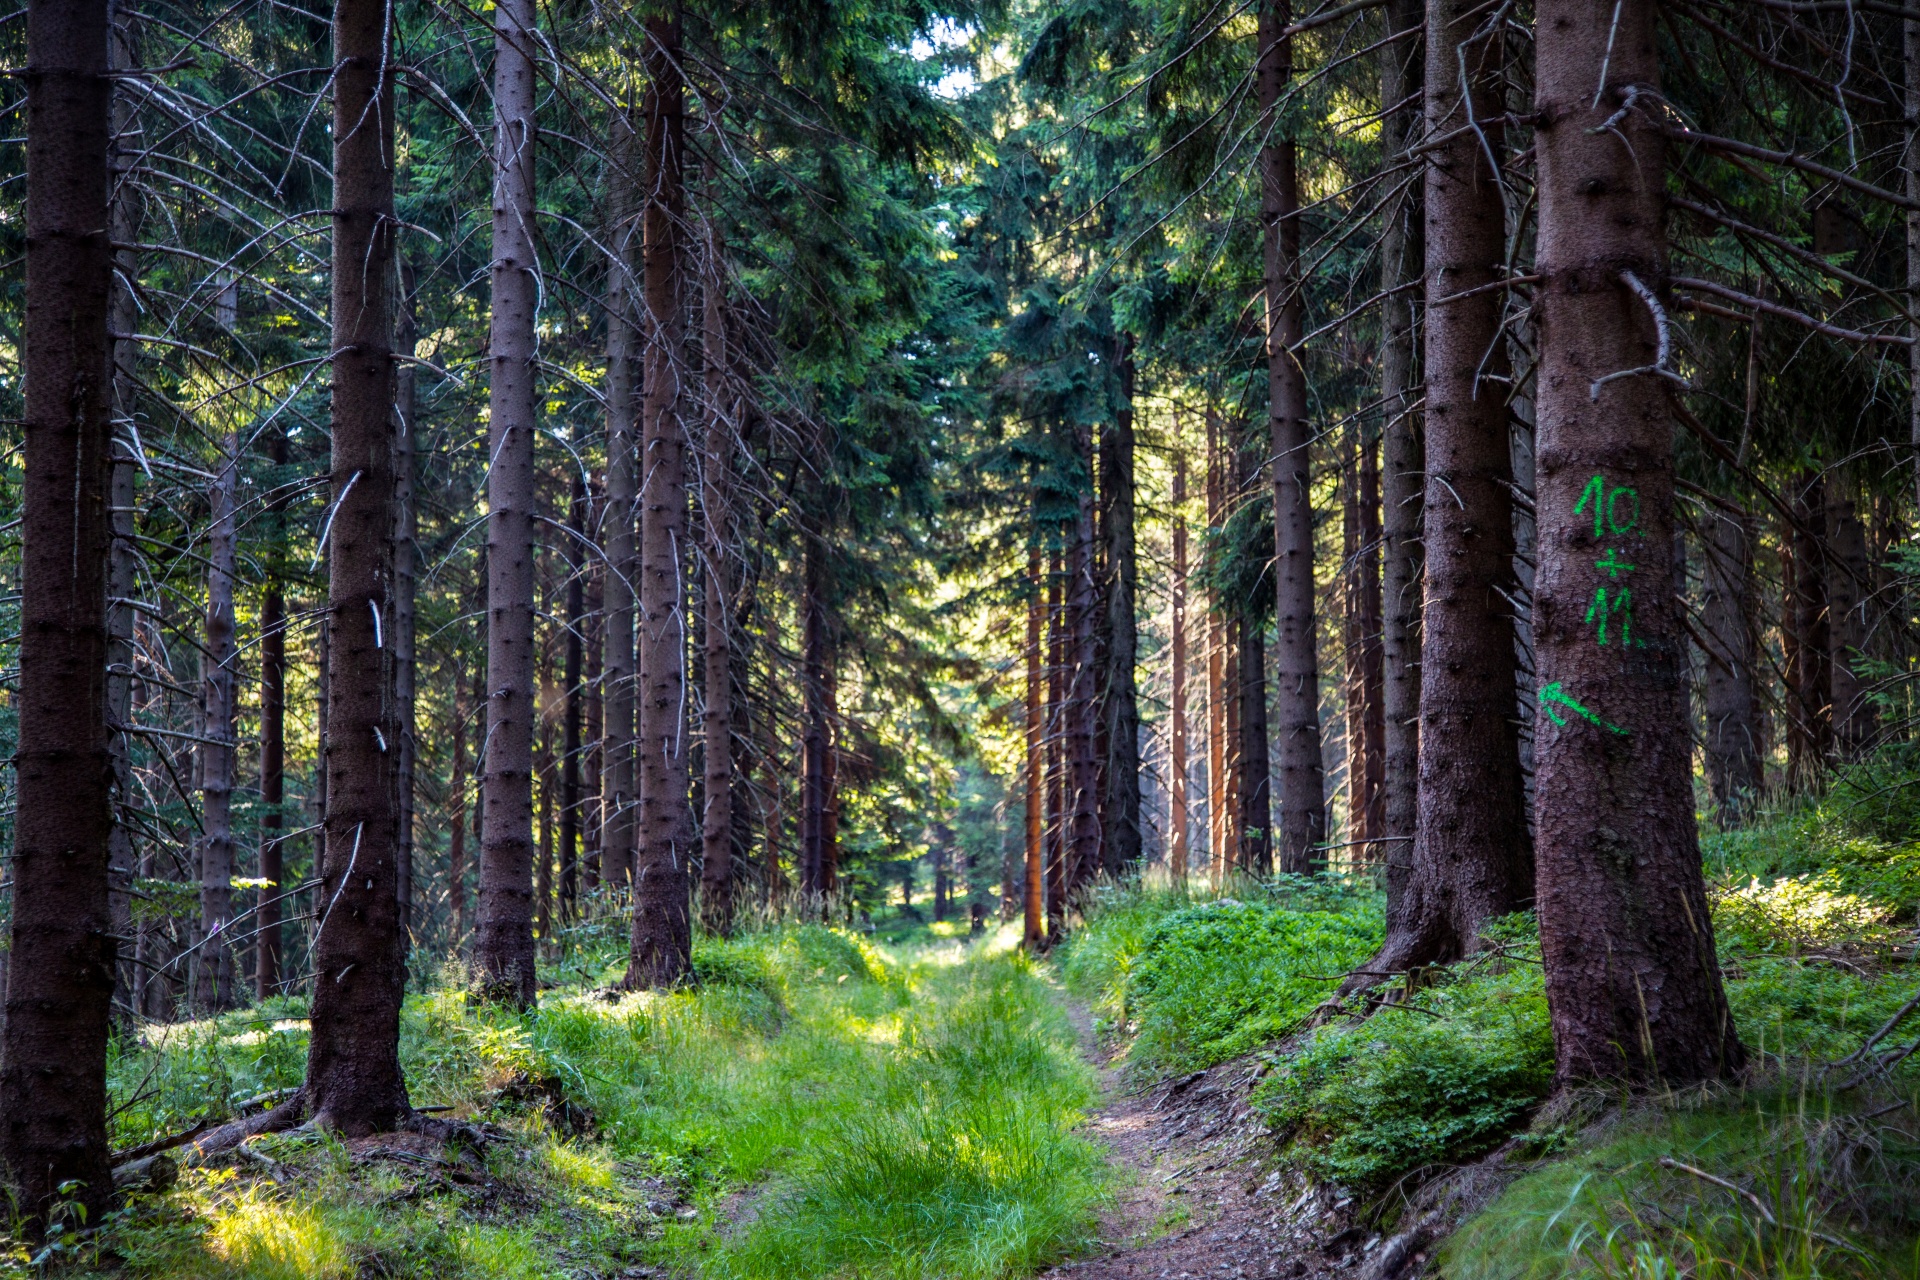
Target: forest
923, 639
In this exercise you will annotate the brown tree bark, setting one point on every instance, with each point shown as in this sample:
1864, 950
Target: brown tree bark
1296, 667
1180, 822
572, 673
618, 681
1633, 985
1812, 669
1033, 932
662, 926
1218, 818
406, 552
216, 748
1119, 708
1847, 584
716, 498
1470, 858
457, 817
1056, 733
594, 823
353, 1081
1402, 453
816, 743
123, 558
1371, 672
1254, 794
503, 955
1083, 763
273, 743
1732, 657
53, 1081
1910, 169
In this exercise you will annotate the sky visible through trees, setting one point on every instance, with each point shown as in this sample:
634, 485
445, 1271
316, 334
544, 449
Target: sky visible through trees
475, 472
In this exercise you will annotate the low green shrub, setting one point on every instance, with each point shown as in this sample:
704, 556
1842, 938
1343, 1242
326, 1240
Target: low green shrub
1218, 979
1441, 1078
1817, 1191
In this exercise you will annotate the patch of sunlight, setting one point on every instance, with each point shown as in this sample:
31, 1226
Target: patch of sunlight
1799, 911
269, 1240
581, 1168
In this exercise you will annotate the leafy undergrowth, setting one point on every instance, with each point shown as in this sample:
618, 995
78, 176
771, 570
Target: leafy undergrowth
1815, 911
812, 1107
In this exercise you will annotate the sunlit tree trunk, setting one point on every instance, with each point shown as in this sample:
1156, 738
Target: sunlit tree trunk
503, 956
572, 673
816, 747
354, 1083
1296, 667
53, 1081
457, 817
1057, 844
1633, 986
662, 926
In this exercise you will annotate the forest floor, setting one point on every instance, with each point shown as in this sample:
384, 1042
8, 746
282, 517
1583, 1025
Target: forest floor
1196, 1197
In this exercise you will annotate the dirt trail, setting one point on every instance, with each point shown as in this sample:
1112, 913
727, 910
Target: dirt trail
1197, 1200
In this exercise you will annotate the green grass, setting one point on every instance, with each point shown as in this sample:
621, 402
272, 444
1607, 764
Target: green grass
1833, 1194
814, 1106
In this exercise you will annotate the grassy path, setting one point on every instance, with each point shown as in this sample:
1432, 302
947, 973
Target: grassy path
814, 1107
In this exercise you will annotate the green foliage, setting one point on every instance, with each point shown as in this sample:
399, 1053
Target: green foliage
1212, 980
1843, 1196
1443, 1077
898, 1115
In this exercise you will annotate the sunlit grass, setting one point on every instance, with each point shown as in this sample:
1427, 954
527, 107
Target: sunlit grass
814, 1105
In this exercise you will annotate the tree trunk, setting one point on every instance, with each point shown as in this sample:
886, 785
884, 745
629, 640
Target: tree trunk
1178, 848
1847, 586
716, 496
354, 1083
273, 737
595, 824
623, 519
662, 929
1255, 792
457, 804
1471, 859
1403, 456
1296, 668
1119, 703
1218, 822
1033, 933
1910, 166
543, 847
1732, 652
1372, 672
123, 562
503, 956
405, 584
572, 672
1812, 669
1633, 985
1056, 722
1083, 763
216, 745
53, 1081
816, 734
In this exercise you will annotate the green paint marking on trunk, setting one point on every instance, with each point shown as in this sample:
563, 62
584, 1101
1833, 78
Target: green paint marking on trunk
1551, 697
1596, 492
1618, 609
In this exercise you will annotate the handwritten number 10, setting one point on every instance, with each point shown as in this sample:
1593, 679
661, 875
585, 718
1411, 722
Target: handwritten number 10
1610, 513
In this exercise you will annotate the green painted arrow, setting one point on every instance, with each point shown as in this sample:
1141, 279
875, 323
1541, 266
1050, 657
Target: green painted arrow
1550, 696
